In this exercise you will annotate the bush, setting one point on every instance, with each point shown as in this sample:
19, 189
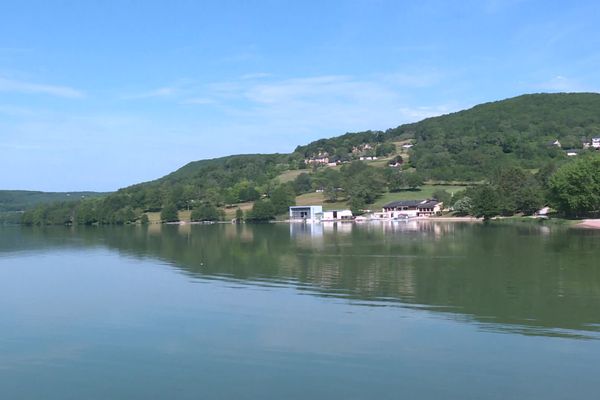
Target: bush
169, 213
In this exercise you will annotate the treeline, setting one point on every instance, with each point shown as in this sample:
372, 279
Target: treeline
573, 190
356, 183
351, 146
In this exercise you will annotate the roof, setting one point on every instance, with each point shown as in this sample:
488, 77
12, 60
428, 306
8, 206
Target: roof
412, 203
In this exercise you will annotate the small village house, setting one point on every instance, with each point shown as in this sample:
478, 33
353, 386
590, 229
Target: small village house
554, 143
306, 213
412, 208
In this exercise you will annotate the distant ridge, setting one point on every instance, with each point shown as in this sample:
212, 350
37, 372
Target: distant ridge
530, 133
20, 200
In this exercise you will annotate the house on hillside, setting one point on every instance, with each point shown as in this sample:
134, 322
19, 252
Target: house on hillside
306, 213
554, 143
320, 158
396, 162
337, 215
596, 143
360, 149
412, 208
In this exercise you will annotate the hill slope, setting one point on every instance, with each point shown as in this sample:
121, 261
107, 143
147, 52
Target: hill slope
466, 145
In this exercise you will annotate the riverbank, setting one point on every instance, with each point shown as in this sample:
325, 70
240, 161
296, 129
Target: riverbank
589, 224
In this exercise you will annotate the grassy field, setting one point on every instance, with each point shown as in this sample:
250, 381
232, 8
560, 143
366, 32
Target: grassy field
154, 217
318, 199
290, 175
230, 211
425, 192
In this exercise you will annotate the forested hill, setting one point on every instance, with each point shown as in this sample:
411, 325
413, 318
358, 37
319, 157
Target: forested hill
470, 145
517, 131
19, 200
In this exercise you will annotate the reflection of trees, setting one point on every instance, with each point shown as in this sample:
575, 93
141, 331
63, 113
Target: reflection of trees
507, 275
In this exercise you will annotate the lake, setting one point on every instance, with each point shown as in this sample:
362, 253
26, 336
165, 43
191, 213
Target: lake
417, 310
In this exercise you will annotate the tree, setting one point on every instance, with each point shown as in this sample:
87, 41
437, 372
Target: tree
530, 199
575, 187
414, 180
357, 205
144, 219
396, 180
262, 211
282, 197
205, 212
330, 193
239, 215
169, 213
443, 196
362, 183
463, 206
302, 183
485, 201
385, 149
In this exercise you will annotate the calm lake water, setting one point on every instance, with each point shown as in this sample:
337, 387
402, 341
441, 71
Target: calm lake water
378, 311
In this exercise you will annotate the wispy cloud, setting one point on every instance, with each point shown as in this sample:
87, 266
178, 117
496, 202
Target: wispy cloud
198, 100
297, 109
255, 75
18, 86
561, 83
165, 91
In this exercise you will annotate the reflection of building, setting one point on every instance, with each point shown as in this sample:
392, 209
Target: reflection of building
332, 226
337, 215
307, 235
306, 213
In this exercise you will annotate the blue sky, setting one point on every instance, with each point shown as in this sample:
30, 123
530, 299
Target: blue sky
98, 95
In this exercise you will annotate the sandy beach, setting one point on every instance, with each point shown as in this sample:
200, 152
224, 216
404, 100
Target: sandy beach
589, 224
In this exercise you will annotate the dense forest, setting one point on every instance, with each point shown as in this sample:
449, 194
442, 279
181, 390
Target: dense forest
490, 143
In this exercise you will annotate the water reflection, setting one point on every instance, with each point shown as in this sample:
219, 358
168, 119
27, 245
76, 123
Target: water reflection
525, 279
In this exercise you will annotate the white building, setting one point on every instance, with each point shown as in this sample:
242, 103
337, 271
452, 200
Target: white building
306, 213
596, 142
412, 208
337, 215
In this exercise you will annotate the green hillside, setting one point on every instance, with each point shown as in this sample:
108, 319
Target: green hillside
466, 146
469, 144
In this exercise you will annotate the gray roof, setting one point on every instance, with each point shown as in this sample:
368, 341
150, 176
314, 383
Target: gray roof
412, 203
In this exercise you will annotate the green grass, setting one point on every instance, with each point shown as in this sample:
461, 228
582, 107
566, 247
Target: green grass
290, 175
318, 199
426, 191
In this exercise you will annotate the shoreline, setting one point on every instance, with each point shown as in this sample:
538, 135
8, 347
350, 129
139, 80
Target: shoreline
588, 224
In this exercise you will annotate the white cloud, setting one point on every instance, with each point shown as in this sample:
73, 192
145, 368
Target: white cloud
11, 85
